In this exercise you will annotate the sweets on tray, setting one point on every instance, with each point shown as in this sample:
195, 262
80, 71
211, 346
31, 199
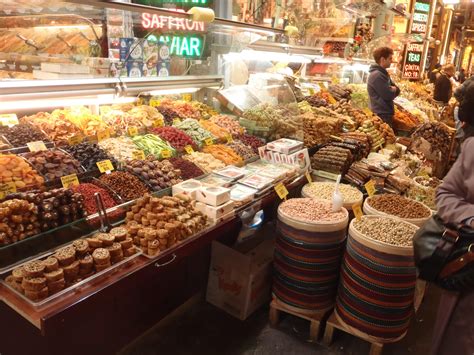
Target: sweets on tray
175, 137
156, 224
194, 130
88, 154
188, 169
225, 154
54, 163
20, 134
217, 131
120, 148
229, 124
154, 145
206, 162
18, 220
58, 129
128, 186
15, 169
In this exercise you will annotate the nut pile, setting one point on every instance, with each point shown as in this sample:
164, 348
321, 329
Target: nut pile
424, 190
15, 169
71, 264
89, 154
387, 230
325, 190
399, 206
158, 174
311, 210
225, 154
206, 162
18, 220
188, 169
128, 186
229, 124
157, 224
21, 134
54, 163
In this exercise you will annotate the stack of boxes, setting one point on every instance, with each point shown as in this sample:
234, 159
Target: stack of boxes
286, 151
215, 203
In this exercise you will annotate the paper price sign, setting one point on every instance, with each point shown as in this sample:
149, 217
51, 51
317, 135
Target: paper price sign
176, 121
357, 211
155, 102
138, 155
158, 122
77, 139
105, 134
104, 166
209, 141
189, 149
69, 180
166, 154
6, 189
36, 146
281, 191
132, 131
311, 91
308, 176
370, 188
229, 138
187, 97
8, 119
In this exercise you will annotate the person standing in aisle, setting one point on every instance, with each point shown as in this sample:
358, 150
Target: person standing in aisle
454, 328
434, 73
382, 90
443, 89
462, 76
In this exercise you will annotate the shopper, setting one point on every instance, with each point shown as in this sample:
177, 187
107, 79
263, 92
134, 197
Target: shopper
443, 89
462, 76
434, 73
381, 88
454, 328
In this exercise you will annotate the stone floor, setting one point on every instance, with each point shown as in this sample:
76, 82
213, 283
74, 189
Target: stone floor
200, 328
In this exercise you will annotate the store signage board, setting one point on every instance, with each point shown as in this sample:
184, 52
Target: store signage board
413, 66
188, 46
169, 23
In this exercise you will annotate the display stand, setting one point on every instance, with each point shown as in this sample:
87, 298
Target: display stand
333, 323
315, 319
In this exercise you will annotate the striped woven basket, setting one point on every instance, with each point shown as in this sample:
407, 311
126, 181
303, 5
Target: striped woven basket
377, 286
307, 262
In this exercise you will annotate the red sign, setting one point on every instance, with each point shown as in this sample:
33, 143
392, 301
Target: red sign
171, 23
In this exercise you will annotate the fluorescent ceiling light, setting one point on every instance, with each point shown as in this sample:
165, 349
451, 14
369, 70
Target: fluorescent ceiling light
174, 91
266, 57
451, 2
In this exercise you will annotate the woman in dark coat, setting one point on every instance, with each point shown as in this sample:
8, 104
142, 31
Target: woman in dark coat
454, 328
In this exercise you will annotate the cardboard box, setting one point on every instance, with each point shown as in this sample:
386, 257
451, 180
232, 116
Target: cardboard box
240, 282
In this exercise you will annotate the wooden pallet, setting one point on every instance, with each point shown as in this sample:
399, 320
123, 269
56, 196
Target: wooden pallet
315, 319
333, 323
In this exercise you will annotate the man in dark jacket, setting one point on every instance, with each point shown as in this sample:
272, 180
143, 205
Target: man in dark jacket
381, 88
443, 89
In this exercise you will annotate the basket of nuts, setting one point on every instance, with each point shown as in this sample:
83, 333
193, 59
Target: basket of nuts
395, 205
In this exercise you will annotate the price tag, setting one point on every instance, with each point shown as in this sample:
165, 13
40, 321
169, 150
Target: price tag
209, 141
166, 154
8, 119
189, 149
187, 97
77, 139
132, 131
159, 122
370, 188
69, 180
36, 146
311, 91
6, 189
322, 86
101, 135
155, 102
281, 191
138, 155
229, 138
105, 165
176, 121
357, 211
308, 176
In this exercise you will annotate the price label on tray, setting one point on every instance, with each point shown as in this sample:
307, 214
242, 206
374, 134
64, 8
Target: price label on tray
101, 135
138, 155
229, 138
189, 149
281, 191
370, 188
166, 154
132, 131
69, 180
6, 189
77, 139
36, 146
105, 166
209, 141
176, 121
311, 91
357, 211
308, 176
187, 97
8, 119
158, 122
155, 102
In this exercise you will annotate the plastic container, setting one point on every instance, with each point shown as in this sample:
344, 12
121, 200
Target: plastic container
368, 210
307, 261
377, 288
